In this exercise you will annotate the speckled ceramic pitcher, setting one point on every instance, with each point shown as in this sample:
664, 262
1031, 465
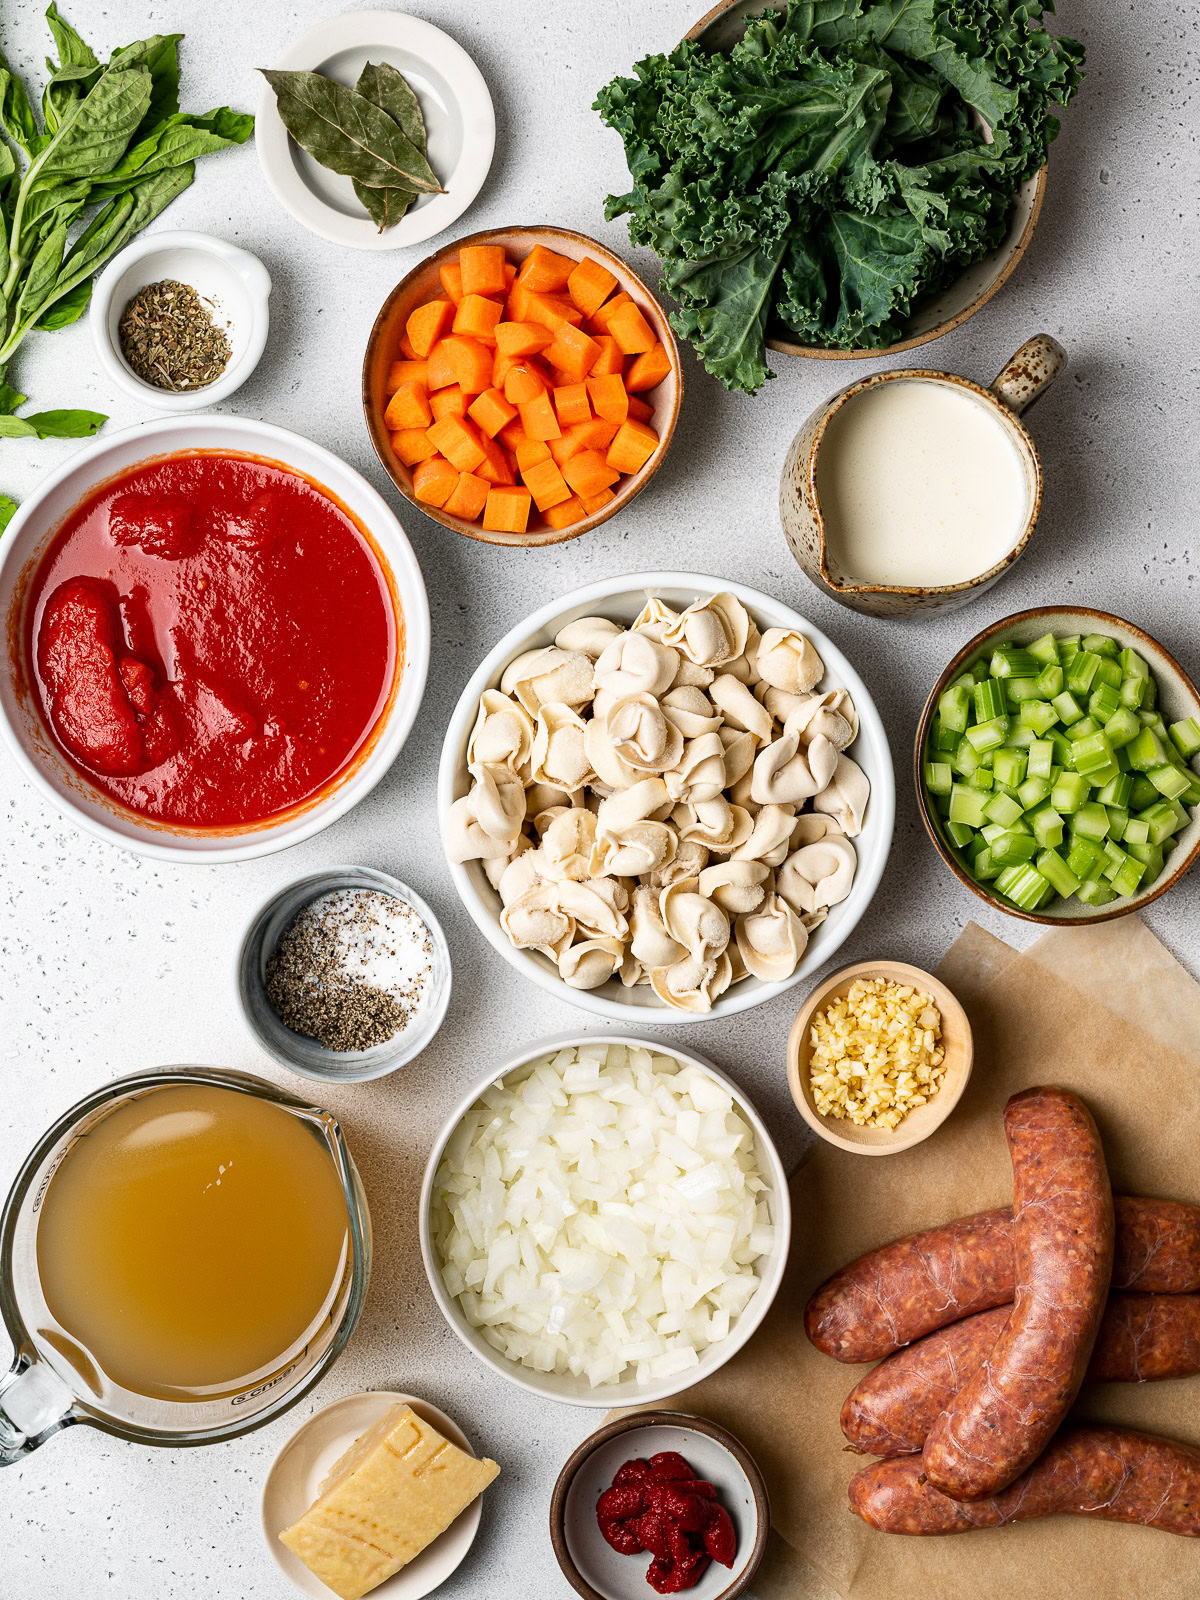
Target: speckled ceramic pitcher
1017, 386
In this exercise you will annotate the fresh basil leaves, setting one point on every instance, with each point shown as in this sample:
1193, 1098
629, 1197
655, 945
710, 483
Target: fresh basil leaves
373, 134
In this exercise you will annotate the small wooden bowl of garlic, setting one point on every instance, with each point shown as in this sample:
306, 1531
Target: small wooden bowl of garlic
664, 794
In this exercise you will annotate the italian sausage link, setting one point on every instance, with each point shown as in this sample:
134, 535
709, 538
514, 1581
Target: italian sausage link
1112, 1473
906, 1289
1142, 1337
1005, 1415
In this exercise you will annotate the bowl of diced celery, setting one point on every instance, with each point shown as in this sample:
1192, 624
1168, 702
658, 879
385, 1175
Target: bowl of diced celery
1057, 766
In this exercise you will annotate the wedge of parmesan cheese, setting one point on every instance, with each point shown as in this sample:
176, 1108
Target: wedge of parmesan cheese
397, 1487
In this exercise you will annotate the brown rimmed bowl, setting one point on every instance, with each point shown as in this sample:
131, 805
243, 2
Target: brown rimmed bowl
719, 30
957, 1042
1178, 697
597, 1571
423, 283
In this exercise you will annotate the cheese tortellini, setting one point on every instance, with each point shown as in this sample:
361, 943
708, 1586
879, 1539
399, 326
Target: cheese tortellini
666, 804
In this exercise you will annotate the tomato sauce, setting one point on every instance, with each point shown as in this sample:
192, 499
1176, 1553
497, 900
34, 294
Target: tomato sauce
212, 639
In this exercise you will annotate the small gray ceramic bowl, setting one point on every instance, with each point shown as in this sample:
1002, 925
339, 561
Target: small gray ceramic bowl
294, 1050
590, 1564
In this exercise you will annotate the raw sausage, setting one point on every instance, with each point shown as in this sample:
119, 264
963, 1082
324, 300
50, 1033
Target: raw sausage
904, 1290
1005, 1415
1113, 1473
890, 1413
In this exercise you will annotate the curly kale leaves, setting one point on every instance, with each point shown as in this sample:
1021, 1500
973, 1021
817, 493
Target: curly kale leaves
831, 171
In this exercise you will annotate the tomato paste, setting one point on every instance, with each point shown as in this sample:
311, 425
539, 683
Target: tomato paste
662, 1507
212, 639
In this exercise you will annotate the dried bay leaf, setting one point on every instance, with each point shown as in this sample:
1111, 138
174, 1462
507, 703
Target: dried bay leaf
347, 133
393, 94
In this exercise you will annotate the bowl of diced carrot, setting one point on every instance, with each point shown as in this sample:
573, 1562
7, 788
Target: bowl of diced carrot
521, 385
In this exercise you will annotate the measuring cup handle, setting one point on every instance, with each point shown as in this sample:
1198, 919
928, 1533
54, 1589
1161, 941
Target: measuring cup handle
1026, 376
34, 1404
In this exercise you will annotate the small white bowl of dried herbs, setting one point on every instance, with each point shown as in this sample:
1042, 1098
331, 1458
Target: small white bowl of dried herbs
180, 319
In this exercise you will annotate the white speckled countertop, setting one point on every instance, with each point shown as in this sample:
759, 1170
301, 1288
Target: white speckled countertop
110, 963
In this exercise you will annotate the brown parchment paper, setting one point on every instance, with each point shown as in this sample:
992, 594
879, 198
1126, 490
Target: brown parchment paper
1108, 1012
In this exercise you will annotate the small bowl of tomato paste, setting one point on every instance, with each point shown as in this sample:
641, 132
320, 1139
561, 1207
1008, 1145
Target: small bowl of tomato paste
660, 1502
217, 635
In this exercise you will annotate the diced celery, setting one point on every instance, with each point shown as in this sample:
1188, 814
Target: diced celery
1039, 715
1118, 821
991, 831
1019, 736
1047, 825
989, 700
1191, 797
939, 778
1011, 848
942, 737
1018, 690
1133, 665
1121, 727
1102, 702
1128, 880
1085, 859
985, 867
1010, 661
1040, 758
1009, 767
1091, 820
1044, 649
1051, 680
1135, 692
954, 707
1090, 754
1068, 708
1106, 773
1114, 859
1003, 809
1101, 644
1151, 857
1117, 792
1062, 746
964, 760
1094, 893
1143, 793
960, 834
966, 805
981, 778
1069, 793
1083, 729
1108, 673
1153, 719
941, 804
1169, 781
1068, 646
1161, 820
1023, 885
1032, 792
1057, 873
1185, 736
1145, 751
1081, 670
987, 735
1137, 831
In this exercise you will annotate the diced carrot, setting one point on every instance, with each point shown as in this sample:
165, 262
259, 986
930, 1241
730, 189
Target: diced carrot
600, 317
590, 285
639, 410
545, 271
610, 362
510, 273
409, 407
588, 473
472, 363
482, 269
507, 509
516, 306
649, 369
451, 276
490, 411
596, 502
522, 338
413, 445
502, 365
569, 445
451, 402
597, 434
574, 352
477, 317
553, 311
631, 330
468, 498
434, 481
405, 372
538, 419
512, 434
428, 323
530, 452
440, 371
633, 446
524, 381
563, 515
571, 404
495, 466
609, 398
546, 484
459, 441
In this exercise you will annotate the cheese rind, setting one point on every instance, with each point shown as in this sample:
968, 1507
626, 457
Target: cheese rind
394, 1491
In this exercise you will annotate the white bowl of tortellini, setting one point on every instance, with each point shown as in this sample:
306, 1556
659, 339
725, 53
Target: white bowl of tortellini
666, 797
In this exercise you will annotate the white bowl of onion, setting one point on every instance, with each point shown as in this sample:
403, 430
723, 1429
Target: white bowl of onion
679, 1196
621, 996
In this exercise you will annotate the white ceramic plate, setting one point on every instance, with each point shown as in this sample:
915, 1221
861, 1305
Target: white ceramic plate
293, 1483
455, 103
621, 599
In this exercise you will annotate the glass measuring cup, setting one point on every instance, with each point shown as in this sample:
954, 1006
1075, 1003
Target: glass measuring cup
43, 1392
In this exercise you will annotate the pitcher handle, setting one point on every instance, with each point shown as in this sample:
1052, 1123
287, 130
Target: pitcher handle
1025, 377
34, 1403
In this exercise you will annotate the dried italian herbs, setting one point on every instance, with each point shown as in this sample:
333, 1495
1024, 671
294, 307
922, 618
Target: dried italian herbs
373, 134
169, 338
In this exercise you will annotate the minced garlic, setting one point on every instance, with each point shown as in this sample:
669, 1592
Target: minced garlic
876, 1053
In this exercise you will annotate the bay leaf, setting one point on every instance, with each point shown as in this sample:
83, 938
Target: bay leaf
346, 133
380, 83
